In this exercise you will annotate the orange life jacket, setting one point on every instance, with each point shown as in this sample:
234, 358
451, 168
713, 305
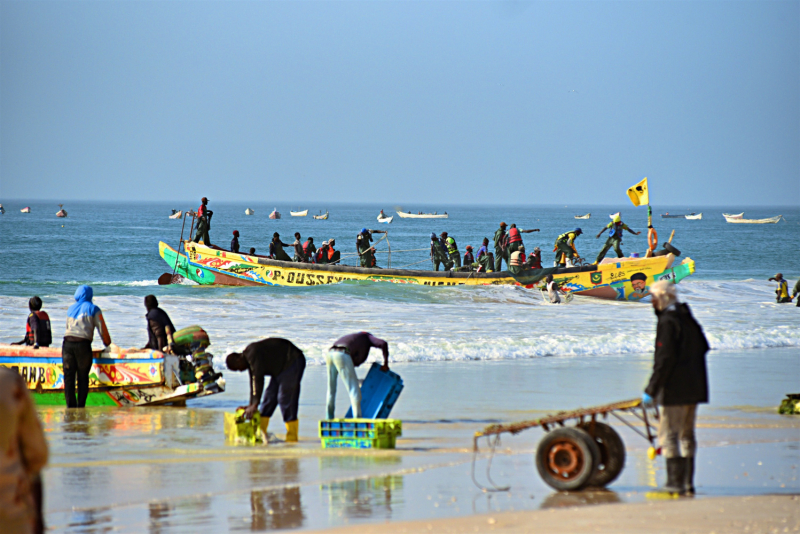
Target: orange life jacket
514, 236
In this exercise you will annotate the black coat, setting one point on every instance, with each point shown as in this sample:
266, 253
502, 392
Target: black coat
679, 370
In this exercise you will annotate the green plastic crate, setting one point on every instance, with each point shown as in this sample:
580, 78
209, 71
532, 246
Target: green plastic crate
360, 433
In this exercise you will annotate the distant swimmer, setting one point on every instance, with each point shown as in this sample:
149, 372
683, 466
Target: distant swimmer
235, 242
615, 228
565, 247
203, 223
438, 254
276, 251
485, 258
37, 327
782, 292
285, 364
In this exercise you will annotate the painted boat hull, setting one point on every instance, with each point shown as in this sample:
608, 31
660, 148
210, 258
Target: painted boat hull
135, 378
321, 217
176, 215
668, 216
422, 216
25, 210
609, 280
61, 213
274, 215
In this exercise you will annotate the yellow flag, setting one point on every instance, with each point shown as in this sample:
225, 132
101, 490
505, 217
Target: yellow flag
639, 194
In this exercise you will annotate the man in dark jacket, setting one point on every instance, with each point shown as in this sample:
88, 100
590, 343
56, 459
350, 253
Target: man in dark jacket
679, 383
159, 326
276, 251
284, 363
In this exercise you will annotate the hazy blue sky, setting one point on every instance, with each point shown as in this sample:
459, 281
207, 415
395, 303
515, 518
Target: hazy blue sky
451, 102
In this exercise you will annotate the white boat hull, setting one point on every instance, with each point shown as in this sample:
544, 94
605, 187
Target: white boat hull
176, 215
769, 220
298, 213
422, 215
386, 220
248, 211
729, 216
695, 217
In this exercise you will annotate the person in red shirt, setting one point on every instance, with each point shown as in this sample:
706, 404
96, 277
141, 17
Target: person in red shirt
203, 223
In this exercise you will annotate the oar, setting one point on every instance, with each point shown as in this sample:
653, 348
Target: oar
166, 278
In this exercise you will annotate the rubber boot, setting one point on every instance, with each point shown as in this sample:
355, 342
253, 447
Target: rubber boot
688, 476
262, 425
291, 431
676, 473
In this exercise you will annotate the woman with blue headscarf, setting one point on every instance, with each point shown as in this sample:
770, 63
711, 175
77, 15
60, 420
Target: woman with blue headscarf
76, 352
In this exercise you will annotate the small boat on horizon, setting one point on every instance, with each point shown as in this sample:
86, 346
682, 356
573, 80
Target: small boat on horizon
587, 216
321, 216
695, 217
298, 213
248, 211
768, 220
729, 216
2, 209
383, 218
683, 216
26, 209
420, 215
275, 214
62, 212
176, 214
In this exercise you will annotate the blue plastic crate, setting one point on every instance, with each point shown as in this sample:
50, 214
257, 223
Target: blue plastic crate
379, 392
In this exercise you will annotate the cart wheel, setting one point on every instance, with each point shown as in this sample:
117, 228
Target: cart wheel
566, 458
612, 454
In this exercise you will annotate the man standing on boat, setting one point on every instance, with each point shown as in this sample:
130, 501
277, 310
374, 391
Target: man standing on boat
514, 239
565, 247
343, 357
285, 364
203, 223
364, 249
500, 247
76, 352
299, 255
235, 242
309, 249
438, 254
159, 326
333, 255
679, 383
276, 251
452, 250
615, 228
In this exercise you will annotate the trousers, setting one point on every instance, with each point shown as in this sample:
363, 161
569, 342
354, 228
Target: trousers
339, 362
610, 242
284, 390
76, 357
676, 431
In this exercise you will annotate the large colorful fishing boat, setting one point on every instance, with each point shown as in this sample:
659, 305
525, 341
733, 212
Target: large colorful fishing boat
618, 279
132, 377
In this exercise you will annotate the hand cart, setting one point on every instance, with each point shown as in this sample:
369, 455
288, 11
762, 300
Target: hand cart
569, 458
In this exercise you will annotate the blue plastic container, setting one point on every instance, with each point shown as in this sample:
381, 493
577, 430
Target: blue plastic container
379, 392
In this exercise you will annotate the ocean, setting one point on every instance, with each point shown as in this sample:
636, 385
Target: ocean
114, 248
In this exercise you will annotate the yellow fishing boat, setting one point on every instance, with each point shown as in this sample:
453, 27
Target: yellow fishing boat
619, 279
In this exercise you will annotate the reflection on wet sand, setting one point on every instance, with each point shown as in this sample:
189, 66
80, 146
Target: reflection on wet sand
565, 499
364, 498
280, 508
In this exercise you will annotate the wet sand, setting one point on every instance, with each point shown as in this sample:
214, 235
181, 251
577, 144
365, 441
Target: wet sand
169, 470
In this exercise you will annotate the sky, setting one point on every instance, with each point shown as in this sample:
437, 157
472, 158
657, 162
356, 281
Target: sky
438, 102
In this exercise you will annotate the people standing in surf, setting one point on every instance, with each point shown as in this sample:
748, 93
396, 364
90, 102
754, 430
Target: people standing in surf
203, 223
342, 358
37, 327
285, 364
678, 384
795, 291
159, 326
83, 318
615, 228
782, 292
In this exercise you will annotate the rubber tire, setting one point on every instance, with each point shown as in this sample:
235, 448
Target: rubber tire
612, 454
588, 453
669, 248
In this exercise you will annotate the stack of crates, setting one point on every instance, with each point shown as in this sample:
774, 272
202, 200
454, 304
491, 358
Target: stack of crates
379, 392
359, 433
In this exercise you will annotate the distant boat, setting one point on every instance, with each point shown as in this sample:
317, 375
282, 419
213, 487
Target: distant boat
321, 216
387, 220
2, 209
587, 216
62, 212
176, 214
298, 213
248, 211
695, 217
683, 216
275, 214
729, 216
434, 215
26, 209
768, 220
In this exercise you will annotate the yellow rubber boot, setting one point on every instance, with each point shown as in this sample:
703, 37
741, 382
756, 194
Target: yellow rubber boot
262, 425
291, 431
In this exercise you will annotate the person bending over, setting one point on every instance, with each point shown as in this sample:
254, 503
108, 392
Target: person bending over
284, 363
159, 326
343, 357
